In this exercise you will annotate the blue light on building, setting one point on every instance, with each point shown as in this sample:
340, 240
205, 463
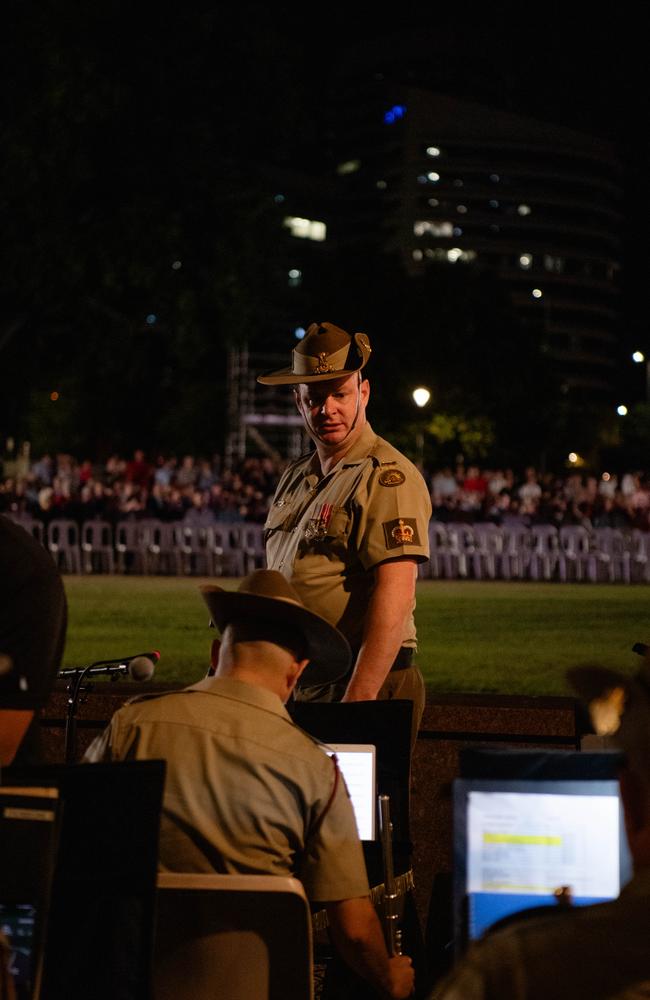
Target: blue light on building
396, 112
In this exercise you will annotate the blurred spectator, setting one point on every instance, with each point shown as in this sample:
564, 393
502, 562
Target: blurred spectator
530, 488
199, 514
138, 471
187, 474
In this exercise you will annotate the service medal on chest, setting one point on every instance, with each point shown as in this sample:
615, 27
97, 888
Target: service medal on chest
317, 526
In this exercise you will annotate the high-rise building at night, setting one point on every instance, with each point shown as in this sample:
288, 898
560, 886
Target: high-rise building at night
447, 181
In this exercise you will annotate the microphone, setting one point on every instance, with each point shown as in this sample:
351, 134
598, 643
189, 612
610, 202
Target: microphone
139, 667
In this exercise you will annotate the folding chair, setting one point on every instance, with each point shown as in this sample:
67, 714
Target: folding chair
63, 544
515, 558
194, 547
248, 537
577, 561
488, 550
232, 937
613, 554
544, 551
227, 558
131, 546
164, 548
97, 546
439, 561
461, 548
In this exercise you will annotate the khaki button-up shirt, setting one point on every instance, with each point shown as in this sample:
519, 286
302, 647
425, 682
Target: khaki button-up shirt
246, 790
326, 533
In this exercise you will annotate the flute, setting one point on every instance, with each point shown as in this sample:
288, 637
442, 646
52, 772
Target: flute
392, 931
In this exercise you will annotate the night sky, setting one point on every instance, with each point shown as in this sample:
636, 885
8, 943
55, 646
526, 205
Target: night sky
127, 131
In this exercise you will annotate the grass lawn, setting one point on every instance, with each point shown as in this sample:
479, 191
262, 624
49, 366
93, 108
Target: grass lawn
505, 638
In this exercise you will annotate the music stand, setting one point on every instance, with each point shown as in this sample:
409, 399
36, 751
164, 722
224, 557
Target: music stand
100, 929
386, 724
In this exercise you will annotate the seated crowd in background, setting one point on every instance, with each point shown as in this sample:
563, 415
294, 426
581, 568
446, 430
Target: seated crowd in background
196, 490
202, 491
501, 496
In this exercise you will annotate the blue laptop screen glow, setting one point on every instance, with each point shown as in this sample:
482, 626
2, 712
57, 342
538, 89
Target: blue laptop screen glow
521, 843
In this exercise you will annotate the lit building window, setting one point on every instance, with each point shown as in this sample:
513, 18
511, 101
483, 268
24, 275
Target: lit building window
523, 209
306, 229
526, 261
433, 151
463, 255
537, 293
423, 227
348, 167
456, 254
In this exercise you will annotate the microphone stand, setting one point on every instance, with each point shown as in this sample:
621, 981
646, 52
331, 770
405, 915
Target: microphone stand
76, 688
74, 691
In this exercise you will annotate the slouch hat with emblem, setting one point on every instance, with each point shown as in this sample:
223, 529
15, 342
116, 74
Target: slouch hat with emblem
325, 352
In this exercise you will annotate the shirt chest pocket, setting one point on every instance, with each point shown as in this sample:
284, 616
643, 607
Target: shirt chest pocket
276, 518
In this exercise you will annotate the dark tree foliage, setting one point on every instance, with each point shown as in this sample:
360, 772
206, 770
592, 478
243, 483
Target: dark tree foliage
136, 218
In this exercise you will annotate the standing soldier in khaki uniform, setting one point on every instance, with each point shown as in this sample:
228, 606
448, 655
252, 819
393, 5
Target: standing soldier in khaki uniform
349, 522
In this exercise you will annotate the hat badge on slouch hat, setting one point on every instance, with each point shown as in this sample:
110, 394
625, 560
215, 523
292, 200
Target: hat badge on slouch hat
266, 595
326, 352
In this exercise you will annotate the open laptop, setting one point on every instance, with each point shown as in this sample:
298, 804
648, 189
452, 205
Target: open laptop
518, 841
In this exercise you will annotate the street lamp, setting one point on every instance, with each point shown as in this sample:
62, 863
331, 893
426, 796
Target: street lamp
421, 397
639, 358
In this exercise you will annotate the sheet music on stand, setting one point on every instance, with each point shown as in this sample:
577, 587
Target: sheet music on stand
387, 726
357, 765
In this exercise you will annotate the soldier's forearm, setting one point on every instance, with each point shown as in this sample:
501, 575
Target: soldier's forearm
390, 604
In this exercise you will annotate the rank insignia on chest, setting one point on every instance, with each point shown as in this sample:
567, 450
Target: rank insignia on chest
401, 531
317, 526
391, 477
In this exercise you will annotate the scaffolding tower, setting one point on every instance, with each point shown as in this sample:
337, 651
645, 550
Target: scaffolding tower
260, 418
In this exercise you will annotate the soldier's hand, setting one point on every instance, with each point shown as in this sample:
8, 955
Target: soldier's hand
401, 977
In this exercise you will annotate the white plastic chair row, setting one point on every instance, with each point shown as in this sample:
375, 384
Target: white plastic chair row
150, 546
484, 551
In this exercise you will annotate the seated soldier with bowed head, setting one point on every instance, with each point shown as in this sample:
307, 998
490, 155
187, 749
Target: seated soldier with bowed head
247, 791
597, 952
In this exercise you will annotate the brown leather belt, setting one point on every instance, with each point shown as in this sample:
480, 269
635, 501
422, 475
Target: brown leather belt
403, 884
403, 659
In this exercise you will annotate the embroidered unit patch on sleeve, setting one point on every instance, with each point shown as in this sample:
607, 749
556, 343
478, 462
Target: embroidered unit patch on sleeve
391, 477
401, 531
